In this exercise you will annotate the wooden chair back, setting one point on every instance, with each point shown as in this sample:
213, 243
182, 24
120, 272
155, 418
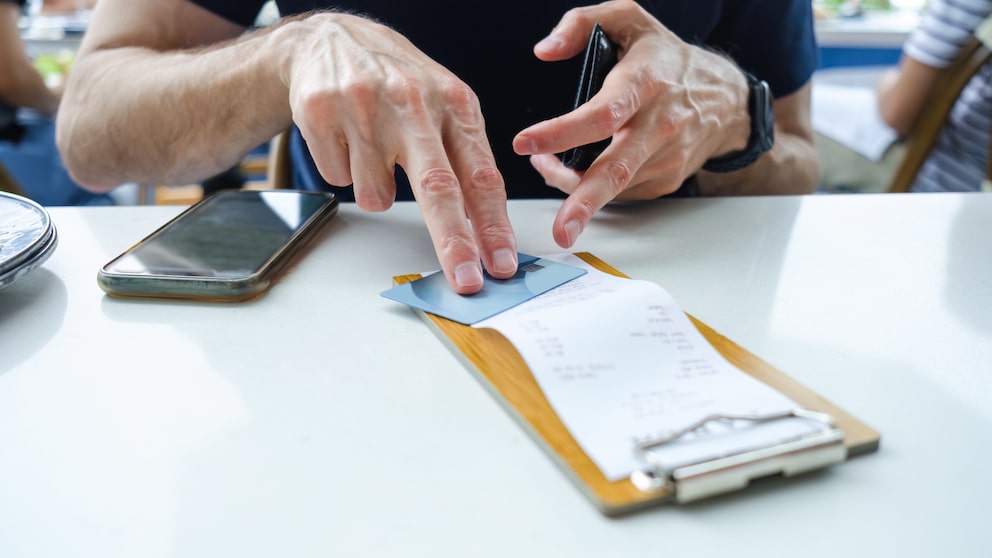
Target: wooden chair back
938, 106
280, 170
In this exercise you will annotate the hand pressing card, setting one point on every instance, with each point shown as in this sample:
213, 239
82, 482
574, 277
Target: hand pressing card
433, 294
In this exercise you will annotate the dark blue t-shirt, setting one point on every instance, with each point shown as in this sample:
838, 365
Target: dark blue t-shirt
490, 45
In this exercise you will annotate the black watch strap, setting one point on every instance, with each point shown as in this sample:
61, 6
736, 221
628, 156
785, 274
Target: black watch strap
762, 138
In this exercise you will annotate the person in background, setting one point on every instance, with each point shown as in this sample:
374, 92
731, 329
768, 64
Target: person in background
20, 84
466, 100
958, 161
27, 131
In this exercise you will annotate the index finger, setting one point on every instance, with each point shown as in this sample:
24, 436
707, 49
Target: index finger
439, 196
454, 177
608, 176
482, 187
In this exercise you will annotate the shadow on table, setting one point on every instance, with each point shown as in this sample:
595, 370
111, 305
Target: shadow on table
40, 293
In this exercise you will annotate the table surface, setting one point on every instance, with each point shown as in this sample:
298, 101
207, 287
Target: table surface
323, 420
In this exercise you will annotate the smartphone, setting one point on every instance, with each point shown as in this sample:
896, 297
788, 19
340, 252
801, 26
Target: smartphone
227, 247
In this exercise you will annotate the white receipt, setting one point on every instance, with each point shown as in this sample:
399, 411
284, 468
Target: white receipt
621, 363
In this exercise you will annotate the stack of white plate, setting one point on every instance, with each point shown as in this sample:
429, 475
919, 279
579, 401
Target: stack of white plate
27, 237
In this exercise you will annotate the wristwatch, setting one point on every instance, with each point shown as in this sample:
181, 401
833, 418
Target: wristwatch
759, 106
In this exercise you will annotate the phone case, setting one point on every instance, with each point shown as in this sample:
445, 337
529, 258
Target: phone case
219, 289
600, 57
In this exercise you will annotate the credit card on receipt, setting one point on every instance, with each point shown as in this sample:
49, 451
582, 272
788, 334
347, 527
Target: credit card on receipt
433, 294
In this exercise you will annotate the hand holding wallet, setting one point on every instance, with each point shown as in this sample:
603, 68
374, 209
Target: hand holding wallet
600, 57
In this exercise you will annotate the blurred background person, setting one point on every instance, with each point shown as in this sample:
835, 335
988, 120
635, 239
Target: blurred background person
959, 158
27, 128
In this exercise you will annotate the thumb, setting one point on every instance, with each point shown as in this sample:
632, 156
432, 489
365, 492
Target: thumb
566, 40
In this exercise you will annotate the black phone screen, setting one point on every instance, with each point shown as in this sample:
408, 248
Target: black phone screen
230, 234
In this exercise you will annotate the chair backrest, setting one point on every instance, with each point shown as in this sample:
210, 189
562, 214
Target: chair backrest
280, 170
941, 99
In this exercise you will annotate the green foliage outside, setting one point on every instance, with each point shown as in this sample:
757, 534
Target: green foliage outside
834, 6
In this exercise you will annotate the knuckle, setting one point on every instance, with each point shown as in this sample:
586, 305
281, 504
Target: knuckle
458, 93
406, 91
487, 178
612, 116
585, 209
493, 232
439, 181
362, 93
671, 123
455, 242
318, 106
620, 175
579, 15
459, 98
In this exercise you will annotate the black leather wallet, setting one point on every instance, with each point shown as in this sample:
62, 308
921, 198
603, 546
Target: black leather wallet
600, 56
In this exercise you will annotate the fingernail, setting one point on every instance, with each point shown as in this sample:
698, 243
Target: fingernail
468, 275
572, 231
549, 43
504, 261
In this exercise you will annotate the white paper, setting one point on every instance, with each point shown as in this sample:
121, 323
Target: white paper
849, 115
621, 363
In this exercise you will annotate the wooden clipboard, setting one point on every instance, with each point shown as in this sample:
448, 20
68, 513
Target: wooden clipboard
503, 371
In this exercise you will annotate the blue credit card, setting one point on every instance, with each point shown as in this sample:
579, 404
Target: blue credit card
433, 294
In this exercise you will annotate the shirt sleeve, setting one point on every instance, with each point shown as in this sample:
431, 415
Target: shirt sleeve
772, 39
946, 26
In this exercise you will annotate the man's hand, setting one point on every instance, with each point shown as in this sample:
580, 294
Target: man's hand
170, 93
365, 99
666, 104
669, 107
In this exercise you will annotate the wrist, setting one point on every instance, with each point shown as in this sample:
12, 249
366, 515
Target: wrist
303, 41
736, 126
759, 130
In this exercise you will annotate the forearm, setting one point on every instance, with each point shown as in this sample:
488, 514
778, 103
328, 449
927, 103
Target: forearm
133, 114
902, 93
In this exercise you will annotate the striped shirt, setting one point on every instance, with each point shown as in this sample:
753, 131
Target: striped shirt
959, 158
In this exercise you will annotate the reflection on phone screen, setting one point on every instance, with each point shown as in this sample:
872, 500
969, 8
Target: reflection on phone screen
226, 236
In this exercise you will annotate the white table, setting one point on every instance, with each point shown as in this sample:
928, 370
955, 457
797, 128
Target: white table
323, 420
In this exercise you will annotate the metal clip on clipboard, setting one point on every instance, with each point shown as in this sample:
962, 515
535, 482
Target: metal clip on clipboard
727, 473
